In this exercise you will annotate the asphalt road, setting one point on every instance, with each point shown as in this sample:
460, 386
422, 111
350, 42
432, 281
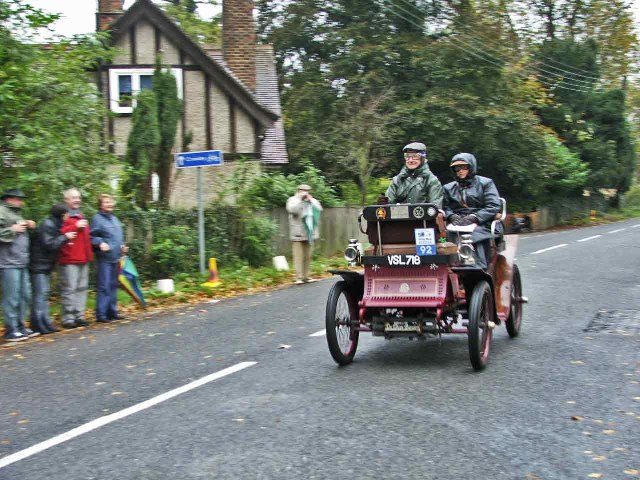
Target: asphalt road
401, 410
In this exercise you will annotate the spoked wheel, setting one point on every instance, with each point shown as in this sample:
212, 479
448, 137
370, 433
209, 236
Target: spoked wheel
515, 313
480, 325
342, 324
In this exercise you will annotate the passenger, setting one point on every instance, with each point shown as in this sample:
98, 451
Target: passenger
472, 199
415, 183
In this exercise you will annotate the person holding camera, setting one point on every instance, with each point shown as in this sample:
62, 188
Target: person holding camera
304, 217
73, 260
14, 263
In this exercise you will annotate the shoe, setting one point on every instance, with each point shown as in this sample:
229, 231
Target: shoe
104, 320
51, 328
298, 282
118, 317
15, 337
81, 323
28, 332
69, 324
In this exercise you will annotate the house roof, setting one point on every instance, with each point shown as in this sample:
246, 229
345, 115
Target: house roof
274, 146
221, 74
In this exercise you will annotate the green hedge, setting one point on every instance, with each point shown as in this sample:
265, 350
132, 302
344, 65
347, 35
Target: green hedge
164, 243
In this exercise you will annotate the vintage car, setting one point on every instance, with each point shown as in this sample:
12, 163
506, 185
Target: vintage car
418, 279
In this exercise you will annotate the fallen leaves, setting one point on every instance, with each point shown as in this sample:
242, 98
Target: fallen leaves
577, 362
608, 432
117, 393
632, 471
577, 418
284, 346
595, 475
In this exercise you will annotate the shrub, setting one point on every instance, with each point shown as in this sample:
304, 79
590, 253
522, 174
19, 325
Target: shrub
257, 242
632, 197
174, 249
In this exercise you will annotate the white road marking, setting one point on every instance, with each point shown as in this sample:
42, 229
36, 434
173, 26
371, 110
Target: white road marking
635, 226
549, 248
319, 333
102, 421
616, 231
589, 238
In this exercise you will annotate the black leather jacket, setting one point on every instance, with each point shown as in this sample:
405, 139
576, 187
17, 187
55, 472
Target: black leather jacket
45, 244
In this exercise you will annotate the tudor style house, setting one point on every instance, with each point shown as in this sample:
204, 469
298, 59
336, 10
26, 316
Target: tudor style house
230, 95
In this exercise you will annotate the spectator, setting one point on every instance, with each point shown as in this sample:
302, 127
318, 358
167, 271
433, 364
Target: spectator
14, 260
304, 215
107, 239
74, 261
45, 245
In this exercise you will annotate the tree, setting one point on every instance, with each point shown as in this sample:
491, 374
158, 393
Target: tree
50, 115
169, 109
184, 13
142, 148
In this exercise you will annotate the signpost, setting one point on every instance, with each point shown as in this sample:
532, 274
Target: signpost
207, 158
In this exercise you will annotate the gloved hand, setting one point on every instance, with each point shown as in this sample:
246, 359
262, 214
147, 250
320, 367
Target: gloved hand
382, 200
455, 219
468, 220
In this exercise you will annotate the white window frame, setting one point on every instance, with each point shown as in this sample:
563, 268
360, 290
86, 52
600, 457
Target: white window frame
136, 73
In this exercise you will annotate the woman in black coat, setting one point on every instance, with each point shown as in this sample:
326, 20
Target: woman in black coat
45, 243
472, 199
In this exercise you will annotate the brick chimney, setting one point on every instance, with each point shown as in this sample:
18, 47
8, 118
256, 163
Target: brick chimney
239, 40
108, 12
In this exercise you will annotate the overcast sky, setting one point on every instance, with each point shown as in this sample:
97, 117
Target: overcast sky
78, 16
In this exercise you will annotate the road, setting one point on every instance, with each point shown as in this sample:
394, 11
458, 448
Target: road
562, 401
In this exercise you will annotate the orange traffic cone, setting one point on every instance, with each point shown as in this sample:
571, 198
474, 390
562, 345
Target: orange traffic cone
214, 278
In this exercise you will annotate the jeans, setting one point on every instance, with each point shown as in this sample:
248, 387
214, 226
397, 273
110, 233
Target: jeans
74, 282
107, 286
15, 297
40, 288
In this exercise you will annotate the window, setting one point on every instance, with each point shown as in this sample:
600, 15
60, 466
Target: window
126, 83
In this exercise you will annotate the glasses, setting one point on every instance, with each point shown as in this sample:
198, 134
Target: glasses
415, 156
457, 168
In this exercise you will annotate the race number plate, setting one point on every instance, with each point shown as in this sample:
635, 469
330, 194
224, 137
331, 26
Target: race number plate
425, 241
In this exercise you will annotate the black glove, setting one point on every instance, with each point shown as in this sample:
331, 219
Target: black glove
382, 200
455, 219
468, 220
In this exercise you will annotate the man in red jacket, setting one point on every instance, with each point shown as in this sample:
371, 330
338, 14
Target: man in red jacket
74, 259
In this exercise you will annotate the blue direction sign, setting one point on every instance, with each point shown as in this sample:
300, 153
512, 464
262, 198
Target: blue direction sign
208, 158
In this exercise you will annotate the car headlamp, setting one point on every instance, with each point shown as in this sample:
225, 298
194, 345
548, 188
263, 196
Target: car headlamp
353, 252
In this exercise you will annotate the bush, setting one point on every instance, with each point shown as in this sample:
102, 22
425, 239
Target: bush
257, 242
174, 249
632, 197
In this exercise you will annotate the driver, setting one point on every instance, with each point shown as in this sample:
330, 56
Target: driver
415, 183
472, 199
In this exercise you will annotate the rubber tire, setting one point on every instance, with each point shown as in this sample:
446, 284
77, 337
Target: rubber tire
481, 291
514, 322
341, 357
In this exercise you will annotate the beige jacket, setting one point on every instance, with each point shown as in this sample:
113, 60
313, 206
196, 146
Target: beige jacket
296, 207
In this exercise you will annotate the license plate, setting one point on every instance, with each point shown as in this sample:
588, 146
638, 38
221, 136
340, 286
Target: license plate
400, 327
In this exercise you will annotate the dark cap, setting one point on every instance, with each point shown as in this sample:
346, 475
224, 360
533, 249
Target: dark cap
13, 193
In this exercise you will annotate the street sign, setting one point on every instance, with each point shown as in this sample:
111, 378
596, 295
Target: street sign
207, 158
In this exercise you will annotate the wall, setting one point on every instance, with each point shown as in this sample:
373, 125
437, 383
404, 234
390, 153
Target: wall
337, 226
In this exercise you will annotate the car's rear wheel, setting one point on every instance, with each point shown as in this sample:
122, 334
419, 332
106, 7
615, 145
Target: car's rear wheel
342, 324
480, 326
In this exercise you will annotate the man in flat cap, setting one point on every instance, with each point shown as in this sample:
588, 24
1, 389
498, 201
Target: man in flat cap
415, 183
304, 217
14, 265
